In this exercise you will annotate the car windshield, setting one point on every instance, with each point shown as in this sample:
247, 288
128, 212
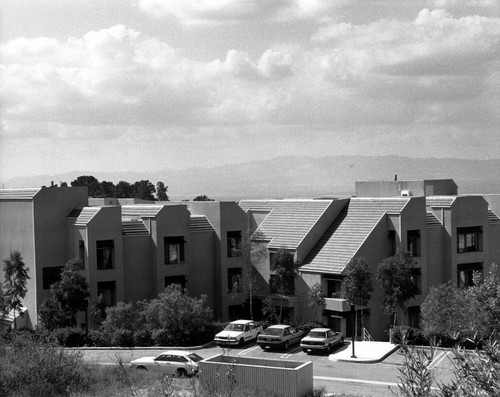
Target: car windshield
317, 334
272, 332
234, 327
194, 357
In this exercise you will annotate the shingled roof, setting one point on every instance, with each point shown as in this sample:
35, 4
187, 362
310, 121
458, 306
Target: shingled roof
83, 215
349, 230
288, 221
18, 193
134, 227
141, 211
200, 223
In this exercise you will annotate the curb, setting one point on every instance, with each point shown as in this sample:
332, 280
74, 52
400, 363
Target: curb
369, 361
142, 347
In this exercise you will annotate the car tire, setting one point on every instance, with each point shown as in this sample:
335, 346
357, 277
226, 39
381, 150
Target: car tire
142, 368
342, 340
286, 345
242, 341
329, 349
181, 372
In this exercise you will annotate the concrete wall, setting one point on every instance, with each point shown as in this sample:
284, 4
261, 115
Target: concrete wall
137, 268
202, 276
414, 188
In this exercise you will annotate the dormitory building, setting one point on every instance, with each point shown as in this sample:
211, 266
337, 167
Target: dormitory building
132, 250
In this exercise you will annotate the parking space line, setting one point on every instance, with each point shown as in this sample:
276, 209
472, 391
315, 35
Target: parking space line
289, 354
246, 351
438, 360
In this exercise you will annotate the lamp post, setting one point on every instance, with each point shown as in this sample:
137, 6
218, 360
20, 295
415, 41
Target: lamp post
353, 327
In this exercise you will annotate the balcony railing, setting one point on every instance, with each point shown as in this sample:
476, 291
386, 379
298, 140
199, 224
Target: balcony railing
337, 304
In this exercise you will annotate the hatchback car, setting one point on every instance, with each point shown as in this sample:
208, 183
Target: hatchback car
321, 339
279, 336
175, 362
238, 332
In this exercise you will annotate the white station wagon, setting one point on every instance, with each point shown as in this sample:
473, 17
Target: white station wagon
238, 332
175, 362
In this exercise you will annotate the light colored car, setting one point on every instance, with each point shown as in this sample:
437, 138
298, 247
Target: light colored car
321, 339
238, 332
279, 336
175, 362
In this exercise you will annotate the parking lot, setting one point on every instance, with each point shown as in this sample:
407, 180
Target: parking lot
356, 378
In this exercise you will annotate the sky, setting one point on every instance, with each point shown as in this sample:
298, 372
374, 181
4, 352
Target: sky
116, 85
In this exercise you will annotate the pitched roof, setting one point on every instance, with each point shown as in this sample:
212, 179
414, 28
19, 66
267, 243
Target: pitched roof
19, 193
439, 201
288, 221
200, 223
141, 211
134, 227
348, 231
83, 215
492, 217
432, 220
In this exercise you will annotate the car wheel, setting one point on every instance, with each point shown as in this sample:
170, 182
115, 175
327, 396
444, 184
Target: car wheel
181, 373
286, 345
329, 349
242, 341
342, 340
142, 368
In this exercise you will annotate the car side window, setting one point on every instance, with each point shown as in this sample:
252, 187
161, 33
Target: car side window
286, 332
163, 357
330, 334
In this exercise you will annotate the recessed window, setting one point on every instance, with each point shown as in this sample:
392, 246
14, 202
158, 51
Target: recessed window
233, 244
81, 252
416, 278
413, 242
465, 273
108, 291
51, 275
234, 284
469, 239
391, 236
333, 288
181, 280
105, 254
174, 250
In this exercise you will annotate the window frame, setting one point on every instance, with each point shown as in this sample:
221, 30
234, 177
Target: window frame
234, 243
179, 243
103, 246
469, 239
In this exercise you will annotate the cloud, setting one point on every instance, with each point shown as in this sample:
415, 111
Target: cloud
213, 12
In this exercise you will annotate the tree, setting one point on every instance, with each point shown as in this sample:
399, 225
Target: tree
175, 317
357, 286
106, 189
161, 191
252, 255
202, 198
88, 180
316, 299
16, 277
124, 190
285, 271
450, 312
394, 276
487, 293
69, 296
144, 190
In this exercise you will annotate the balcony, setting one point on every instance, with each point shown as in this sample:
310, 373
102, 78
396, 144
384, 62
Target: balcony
337, 305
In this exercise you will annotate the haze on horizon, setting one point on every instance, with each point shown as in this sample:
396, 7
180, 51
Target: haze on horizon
150, 84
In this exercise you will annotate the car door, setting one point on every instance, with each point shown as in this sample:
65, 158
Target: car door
294, 335
162, 364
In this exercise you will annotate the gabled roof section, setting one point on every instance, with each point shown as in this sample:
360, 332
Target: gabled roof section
431, 220
288, 221
134, 227
18, 194
439, 201
493, 218
141, 211
200, 223
348, 231
83, 215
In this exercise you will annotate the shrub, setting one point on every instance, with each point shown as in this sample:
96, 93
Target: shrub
143, 338
99, 337
69, 336
123, 338
31, 367
306, 326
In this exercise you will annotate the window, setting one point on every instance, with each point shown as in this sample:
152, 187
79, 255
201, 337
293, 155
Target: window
233, 244
414, 316
466, 273
234, 280
174, 250
108, 291
416, 279
469, 239
334, 287
413, 242
287, 287
81, 252
105, 250
51, 275
181, 280
391, 236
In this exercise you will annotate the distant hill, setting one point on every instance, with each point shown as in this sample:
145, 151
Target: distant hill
297, 176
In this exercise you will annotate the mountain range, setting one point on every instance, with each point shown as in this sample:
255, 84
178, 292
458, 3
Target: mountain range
295, 176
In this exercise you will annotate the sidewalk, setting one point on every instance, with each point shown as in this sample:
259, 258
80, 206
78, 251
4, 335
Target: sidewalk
366, 352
